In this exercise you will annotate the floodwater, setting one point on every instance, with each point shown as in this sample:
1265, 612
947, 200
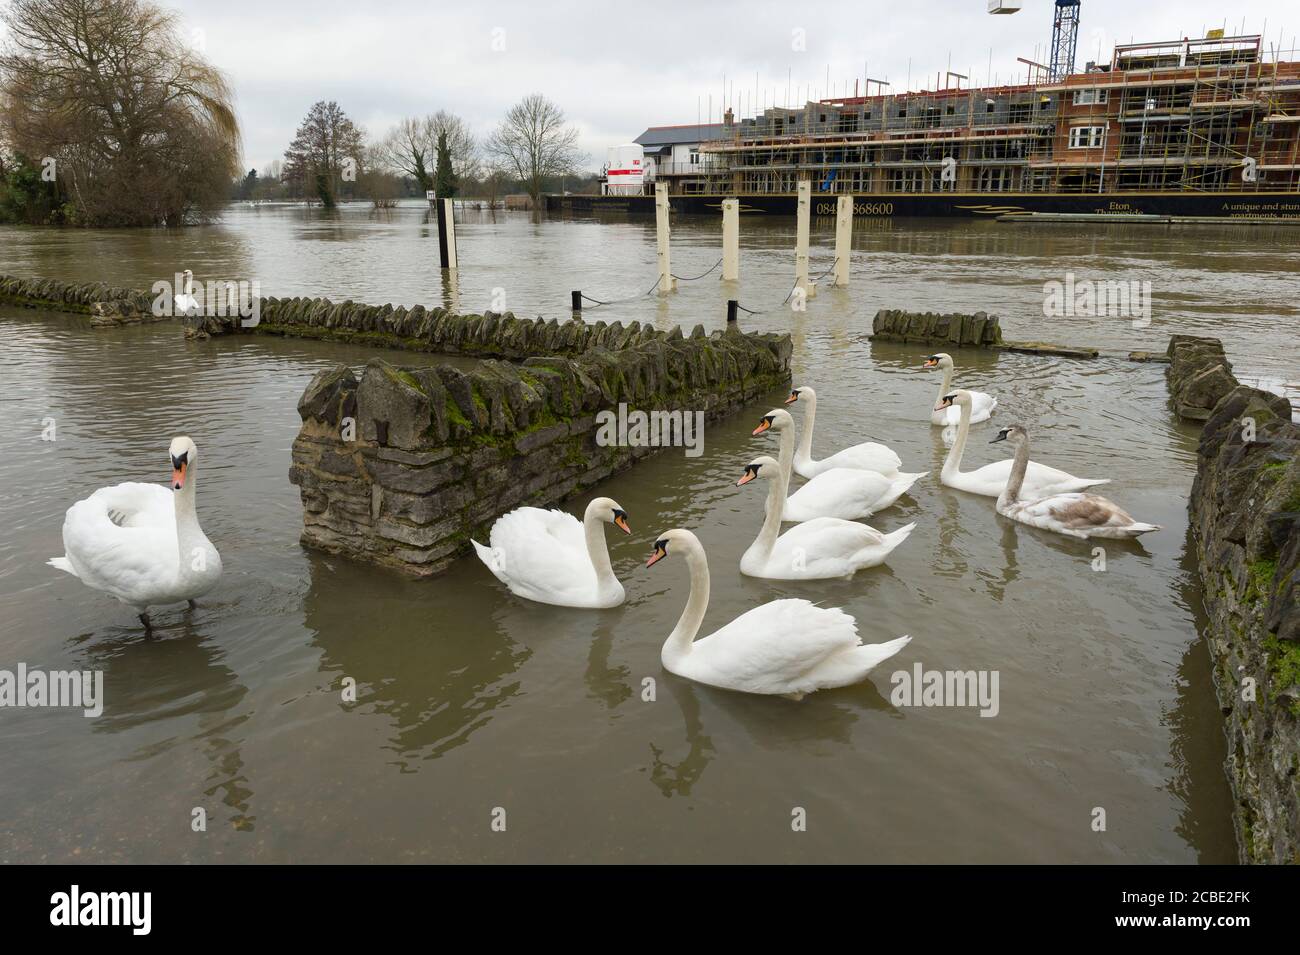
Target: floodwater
472, 701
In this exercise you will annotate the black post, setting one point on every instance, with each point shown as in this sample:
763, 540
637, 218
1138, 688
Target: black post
440, 208
576, 300
732, 307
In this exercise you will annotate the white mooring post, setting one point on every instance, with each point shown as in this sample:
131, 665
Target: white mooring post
803, 214
843, 239
446, 233
666, 281
730, 240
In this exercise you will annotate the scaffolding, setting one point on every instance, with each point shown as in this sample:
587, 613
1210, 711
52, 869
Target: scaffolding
1209, 115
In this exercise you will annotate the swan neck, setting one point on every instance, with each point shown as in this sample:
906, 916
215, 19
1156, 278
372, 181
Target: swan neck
597, 547
189, 535
952, 463
1019, 465
678, 644
773, 508
785, 457
945, 385
805, 439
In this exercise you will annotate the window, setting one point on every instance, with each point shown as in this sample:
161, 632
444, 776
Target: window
695, 157
1087, 137
1020, 113
1090, 97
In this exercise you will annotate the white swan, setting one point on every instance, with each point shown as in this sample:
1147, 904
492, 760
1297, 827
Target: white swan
1078, 515
868, 456
982, 403
817, 549
186, 303
786, 647
549, 557
846, 493
1040, 481
142, 543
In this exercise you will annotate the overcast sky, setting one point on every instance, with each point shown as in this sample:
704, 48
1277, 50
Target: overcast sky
640, 64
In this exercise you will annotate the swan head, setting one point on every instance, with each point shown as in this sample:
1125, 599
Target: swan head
958, 397
183, 452
667, 537
938, 360
775, 420
804, 392
1013, 433
764, 467
608, 510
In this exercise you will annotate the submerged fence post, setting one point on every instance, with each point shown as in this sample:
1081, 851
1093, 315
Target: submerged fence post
843, 239
575, 300
446, 233
666, 281
733, 309
803, 214
730, 240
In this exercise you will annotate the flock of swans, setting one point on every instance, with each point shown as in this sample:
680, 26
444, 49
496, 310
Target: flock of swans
791, 647
142, 544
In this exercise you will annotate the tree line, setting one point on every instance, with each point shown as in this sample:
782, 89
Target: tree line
331, 160
109, 117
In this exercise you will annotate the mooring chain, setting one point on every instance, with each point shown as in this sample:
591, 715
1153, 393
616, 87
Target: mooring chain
791, 292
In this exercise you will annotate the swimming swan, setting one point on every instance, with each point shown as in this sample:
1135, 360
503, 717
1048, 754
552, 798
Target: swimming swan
868, 456
1040, 480
549, 557
817, 549
846, 493
982, 403
1078, 515
142, 543
786, 647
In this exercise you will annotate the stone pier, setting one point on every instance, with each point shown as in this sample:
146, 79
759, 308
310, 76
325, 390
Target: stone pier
403, 466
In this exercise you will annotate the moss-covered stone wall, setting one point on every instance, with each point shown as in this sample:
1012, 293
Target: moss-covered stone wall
106, 304
403, 466
1245, 524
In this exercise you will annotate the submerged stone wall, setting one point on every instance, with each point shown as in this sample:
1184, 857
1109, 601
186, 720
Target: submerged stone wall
106, 304
1245, 522
402, 467
980, 330
428, 329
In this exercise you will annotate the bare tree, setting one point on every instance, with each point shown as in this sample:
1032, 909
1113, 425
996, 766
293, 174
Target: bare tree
327, 154
534, 143
141, 129
410, 147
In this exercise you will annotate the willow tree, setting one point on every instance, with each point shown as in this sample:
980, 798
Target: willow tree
534, 143
136, 127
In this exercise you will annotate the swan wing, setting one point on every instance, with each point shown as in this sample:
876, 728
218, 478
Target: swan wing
1080, 515
1040, 480
541, 555
122, 540
841, 492
868, 456
771, 648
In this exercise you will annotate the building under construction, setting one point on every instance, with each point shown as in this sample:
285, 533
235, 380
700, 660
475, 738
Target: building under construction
1205, 127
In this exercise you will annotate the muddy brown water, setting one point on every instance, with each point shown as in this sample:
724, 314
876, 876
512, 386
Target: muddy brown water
470, 699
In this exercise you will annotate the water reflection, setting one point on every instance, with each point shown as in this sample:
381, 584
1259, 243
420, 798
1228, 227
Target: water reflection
436, 678
177, 675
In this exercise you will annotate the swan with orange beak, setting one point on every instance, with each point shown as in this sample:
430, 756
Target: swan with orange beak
142, 543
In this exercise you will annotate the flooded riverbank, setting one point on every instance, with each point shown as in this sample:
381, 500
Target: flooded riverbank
470, 699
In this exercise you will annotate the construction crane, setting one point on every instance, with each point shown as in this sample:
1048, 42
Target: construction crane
1065, 39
